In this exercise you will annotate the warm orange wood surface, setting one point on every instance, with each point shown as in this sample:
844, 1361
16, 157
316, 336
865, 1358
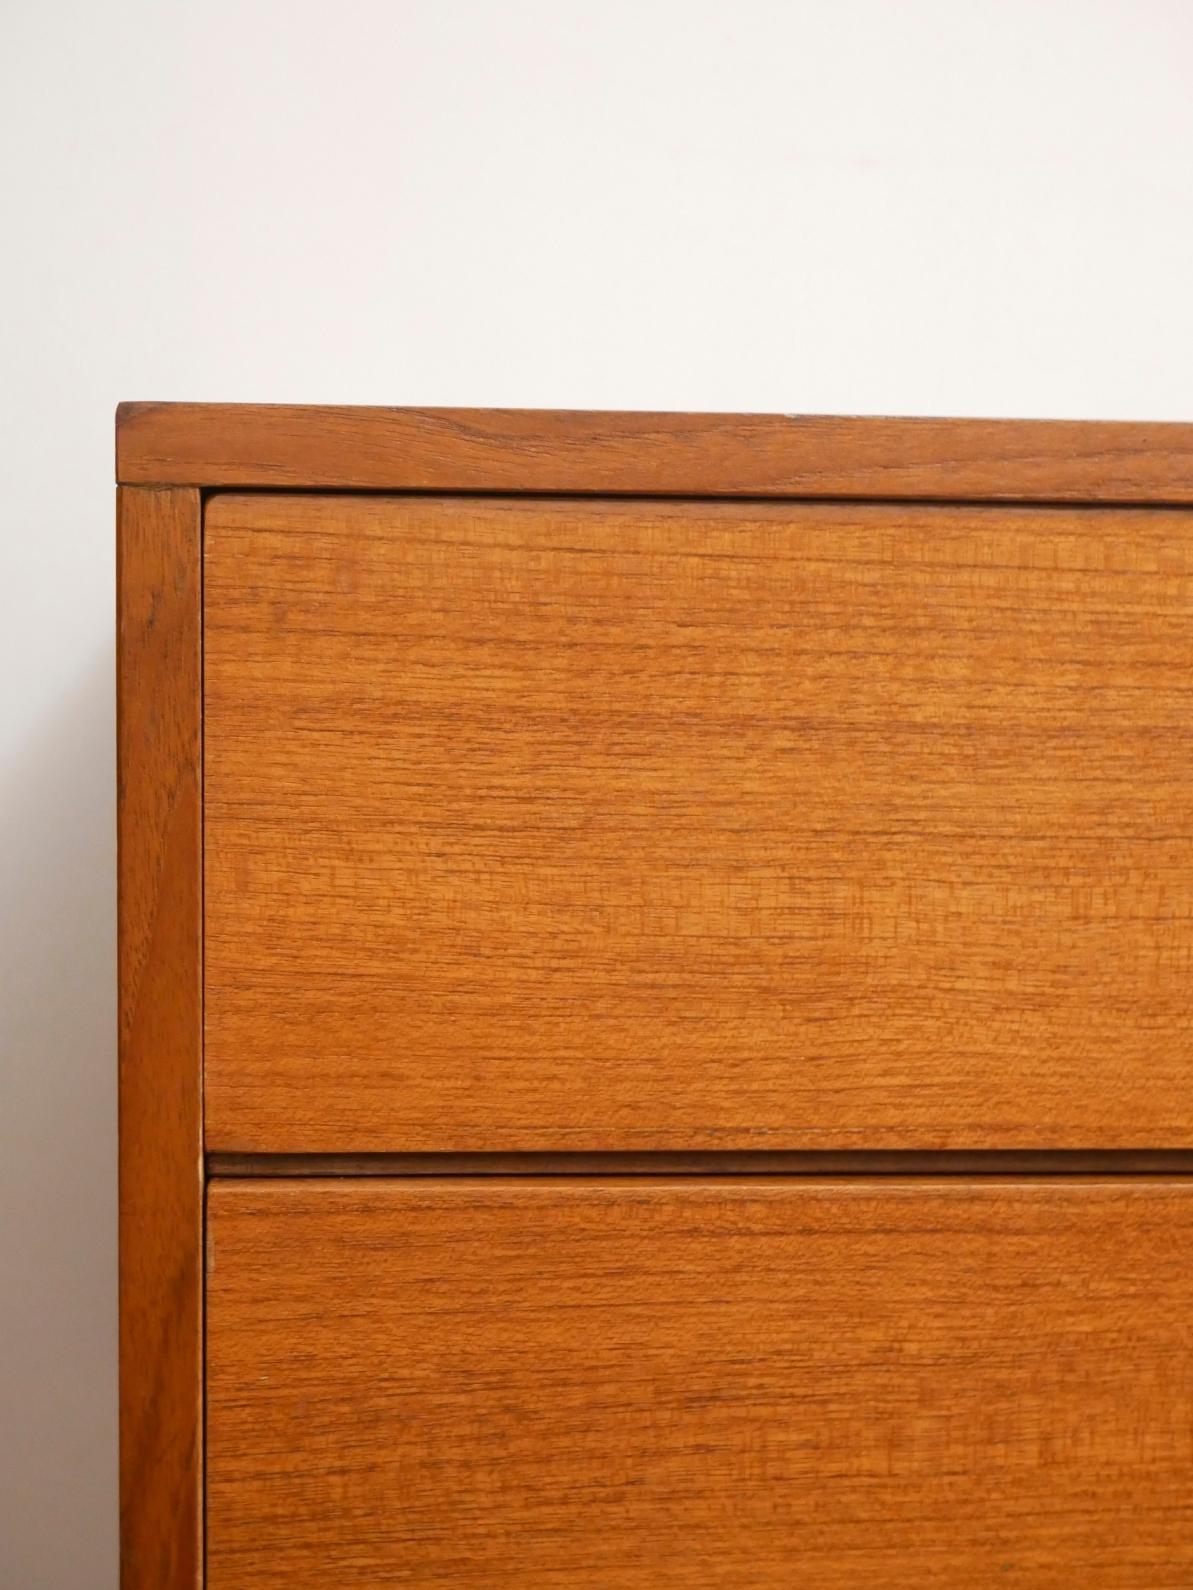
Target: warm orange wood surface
596, 825
704, 1383
396, 449
161, 1191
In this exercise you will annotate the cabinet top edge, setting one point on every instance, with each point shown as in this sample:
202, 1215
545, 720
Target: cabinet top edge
307, 447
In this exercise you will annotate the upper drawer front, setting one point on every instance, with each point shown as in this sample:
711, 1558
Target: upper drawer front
622, 824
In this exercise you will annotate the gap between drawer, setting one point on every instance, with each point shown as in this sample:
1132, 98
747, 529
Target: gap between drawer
853, 1162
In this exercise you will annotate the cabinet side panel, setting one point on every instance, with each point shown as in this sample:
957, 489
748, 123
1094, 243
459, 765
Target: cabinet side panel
161, 1176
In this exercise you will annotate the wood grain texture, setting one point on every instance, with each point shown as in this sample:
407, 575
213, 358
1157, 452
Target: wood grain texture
161, 1178
669, 1384
403, 449
599, 825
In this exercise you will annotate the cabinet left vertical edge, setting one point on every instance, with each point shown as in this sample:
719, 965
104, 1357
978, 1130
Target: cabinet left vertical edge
159, 778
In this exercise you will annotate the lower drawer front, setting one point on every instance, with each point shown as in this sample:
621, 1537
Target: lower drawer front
754, 1382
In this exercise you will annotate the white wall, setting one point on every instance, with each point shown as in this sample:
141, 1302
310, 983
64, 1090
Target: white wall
961, 207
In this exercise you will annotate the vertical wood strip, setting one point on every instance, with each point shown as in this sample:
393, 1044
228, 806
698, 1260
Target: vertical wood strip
160, 962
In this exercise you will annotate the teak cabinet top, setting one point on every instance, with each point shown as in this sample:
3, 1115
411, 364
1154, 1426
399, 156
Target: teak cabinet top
763, 455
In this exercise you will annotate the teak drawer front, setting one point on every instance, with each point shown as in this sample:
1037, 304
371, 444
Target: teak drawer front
616, 824
700, 1383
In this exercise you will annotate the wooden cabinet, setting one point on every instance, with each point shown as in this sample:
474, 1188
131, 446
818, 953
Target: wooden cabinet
655, 1021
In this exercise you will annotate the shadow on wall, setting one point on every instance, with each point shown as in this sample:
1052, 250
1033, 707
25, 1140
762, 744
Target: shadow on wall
58, 1529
